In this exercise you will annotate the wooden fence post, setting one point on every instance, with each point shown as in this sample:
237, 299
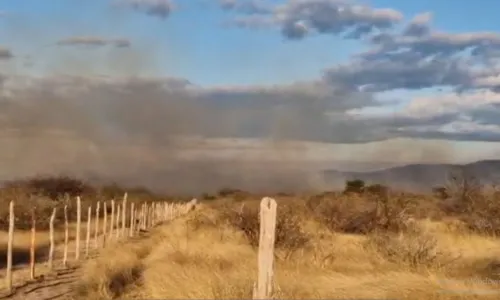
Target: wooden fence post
268, 209
137, 225
104, 222
87, 238
152, 215
132, 219
155, 214
33, 243
124, 215
96, 231
66, 236
144, 215
112, 221
10, 246
141, 220
78, 226
118, 229
51, 237
151, 219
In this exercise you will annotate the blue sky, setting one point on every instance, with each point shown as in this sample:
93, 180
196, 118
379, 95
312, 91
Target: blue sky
318, 70
191, 42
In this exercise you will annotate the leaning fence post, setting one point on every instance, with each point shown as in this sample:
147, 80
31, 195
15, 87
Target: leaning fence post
51, 237
33, 243
10, 245
78, 226
87, 238
266, 248
66, 236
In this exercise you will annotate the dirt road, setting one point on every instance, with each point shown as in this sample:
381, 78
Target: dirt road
57, 284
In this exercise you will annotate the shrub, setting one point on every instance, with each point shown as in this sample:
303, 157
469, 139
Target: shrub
356, 186
54, 188
289, 234
236, 194
414, 249
362, 215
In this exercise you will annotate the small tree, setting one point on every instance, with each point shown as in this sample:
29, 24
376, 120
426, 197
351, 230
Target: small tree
354, 186
461, 190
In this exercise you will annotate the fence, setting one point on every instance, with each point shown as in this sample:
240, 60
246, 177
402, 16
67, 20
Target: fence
143, 218
126, 221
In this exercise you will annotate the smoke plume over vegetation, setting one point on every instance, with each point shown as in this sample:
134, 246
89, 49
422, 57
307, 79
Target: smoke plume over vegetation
97, 107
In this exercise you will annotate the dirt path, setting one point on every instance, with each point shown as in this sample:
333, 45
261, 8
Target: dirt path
57, 284
60, 285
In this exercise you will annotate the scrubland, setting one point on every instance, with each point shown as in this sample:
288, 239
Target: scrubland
329, 246
378, 245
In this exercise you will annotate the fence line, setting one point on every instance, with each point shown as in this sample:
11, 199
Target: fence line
143, 217
135, 220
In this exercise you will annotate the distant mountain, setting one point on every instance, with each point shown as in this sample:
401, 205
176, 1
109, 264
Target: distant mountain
418, 177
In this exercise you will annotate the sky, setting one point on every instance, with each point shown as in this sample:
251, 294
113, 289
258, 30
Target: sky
374, 81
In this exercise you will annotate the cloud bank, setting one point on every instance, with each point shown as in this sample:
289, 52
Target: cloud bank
117, 127
94, 41
155, 8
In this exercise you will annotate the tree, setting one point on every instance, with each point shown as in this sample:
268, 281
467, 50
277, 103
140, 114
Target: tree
462, 189
356, 186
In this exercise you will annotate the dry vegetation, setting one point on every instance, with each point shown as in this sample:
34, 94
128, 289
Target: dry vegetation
364, 243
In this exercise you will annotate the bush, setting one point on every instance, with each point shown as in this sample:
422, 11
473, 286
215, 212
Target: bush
361, 215
414, 249
355, 186
55, 188
236, 194
289, 233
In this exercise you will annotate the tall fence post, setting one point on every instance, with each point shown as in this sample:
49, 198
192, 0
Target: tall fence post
66, 236
33, 243
112, 220
10, 246
268, 208
51, 237
124, 215
87, 238
144, 216
78, 227
118, 229
132, 219
104, 223
96, 231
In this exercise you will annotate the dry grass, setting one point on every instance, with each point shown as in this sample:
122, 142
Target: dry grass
335, 246
208, 255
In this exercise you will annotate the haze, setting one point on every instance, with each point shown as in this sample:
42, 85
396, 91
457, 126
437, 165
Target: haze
191, 96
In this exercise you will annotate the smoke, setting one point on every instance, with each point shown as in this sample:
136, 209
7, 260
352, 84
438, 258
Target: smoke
165, 134
136, 131
136, 127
